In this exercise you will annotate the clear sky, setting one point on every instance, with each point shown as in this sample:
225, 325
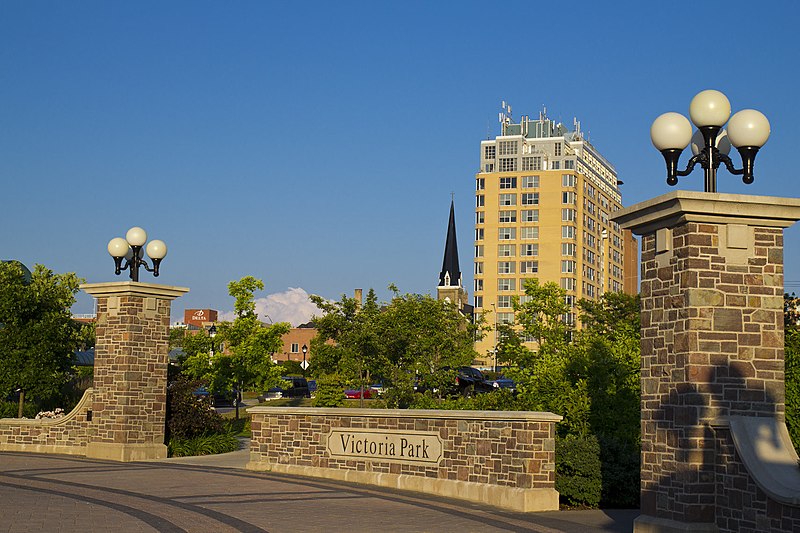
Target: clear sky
315, 145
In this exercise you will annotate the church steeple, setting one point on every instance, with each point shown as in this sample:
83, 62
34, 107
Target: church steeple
450, 275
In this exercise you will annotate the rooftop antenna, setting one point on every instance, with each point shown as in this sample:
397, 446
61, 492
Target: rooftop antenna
504, 116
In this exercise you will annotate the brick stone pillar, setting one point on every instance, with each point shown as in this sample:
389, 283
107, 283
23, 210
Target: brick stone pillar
712, 339
130, 370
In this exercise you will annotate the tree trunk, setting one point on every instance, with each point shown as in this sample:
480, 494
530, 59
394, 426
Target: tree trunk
21, 402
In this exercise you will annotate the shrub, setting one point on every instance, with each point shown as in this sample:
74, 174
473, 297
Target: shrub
620, 458
188, 417
578, 471
329, 391
204, 445
792, 377
9, 409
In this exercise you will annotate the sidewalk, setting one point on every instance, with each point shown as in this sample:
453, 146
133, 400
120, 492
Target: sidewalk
215, 494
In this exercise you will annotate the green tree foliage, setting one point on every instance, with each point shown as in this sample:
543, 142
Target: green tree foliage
242, 349
589, 376
412, 338
791, 305
37, 334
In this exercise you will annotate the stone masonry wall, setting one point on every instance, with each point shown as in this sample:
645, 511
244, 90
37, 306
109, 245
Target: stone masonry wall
131, 369
67, 435
712, 346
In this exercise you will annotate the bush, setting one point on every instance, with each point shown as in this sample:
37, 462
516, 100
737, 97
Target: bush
620, 468
188, 417
329, 392
204, 445
10, 409
792, 377
578, 471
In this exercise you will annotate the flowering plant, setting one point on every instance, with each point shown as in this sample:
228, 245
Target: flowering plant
57, 413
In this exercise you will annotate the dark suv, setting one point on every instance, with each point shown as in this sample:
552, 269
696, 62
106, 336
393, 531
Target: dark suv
470, 381
297, 388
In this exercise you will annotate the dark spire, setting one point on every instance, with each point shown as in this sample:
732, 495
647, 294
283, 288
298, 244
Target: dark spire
451, 274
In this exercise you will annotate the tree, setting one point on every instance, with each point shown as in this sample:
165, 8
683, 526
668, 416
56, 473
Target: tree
37, 334
246, 360
412, 337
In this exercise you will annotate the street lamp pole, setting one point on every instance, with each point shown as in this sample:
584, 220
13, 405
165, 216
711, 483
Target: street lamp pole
710, 110
132, 250
305, 365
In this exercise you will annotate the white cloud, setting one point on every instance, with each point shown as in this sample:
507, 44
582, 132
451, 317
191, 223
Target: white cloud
291, 305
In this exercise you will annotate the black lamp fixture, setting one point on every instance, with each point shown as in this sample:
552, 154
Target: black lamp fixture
710, 110
132, 250
304, 349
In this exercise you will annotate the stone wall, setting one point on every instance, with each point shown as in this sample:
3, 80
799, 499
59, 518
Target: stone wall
66, 435
505, 459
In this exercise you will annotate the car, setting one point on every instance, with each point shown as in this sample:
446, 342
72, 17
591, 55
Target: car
357, 394
296, 387
201, 394
501, 382
377, 388
470, 381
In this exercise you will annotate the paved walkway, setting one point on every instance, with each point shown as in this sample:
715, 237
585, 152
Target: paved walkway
215, 494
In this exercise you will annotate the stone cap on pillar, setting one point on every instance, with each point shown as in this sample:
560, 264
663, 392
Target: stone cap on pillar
678, 207
133, 288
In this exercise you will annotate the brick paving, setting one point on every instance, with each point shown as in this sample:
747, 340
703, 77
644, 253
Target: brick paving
73, 494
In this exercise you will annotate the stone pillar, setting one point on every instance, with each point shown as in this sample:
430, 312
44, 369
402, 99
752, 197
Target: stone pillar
712, 339
130, 370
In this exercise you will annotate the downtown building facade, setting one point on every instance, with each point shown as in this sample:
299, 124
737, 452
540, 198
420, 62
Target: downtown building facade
543, 200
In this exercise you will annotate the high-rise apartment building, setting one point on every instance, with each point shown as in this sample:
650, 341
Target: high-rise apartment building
543, 200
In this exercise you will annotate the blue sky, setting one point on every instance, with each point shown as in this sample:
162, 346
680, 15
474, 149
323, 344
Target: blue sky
315, 145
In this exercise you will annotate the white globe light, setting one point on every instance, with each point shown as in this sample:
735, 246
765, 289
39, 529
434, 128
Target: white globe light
723, 142
671, 131
749, 127
710, 108
136, 236
156, 249
118, 247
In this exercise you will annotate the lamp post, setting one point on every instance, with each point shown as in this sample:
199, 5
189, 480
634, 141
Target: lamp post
212, 332
710, 110
304, 349
131, 248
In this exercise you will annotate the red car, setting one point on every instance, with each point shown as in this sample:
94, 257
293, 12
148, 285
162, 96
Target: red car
356, 394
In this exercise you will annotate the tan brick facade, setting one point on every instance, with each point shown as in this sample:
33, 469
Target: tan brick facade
501, 458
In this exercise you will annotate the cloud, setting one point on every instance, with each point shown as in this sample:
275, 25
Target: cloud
291, 305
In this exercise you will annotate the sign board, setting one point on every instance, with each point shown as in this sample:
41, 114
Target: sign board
385, 445
305, 365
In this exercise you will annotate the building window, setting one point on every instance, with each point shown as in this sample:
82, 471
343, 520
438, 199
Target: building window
478, 284
478, 268
478, 301
478, 234
569, 249
508, 199
528, 267
532, 163
508, 216
529, 233
567, 267
569, 215
530, 182
479, 217
527, 250
508, 183
506, 250
567, 180
530, 198
508, 147
568, 284
567, 232
568, 197
506, 267
508, 164
556, 149
555, 165
479, 250
295, 347
569, 164
504, 300
507, 234
480, 184
506, 284
529, 215
489, 152
505, 318
479, 200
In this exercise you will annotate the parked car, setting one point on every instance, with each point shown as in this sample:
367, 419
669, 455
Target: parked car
377, 388
295, 388
470, 381
503, 383
201, 394
312, 387
356, 393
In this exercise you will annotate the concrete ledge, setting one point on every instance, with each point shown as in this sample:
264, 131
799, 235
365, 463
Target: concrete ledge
513, 499
112, 451
651, 524
764, 445
133, 288
526, 416
78, 449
